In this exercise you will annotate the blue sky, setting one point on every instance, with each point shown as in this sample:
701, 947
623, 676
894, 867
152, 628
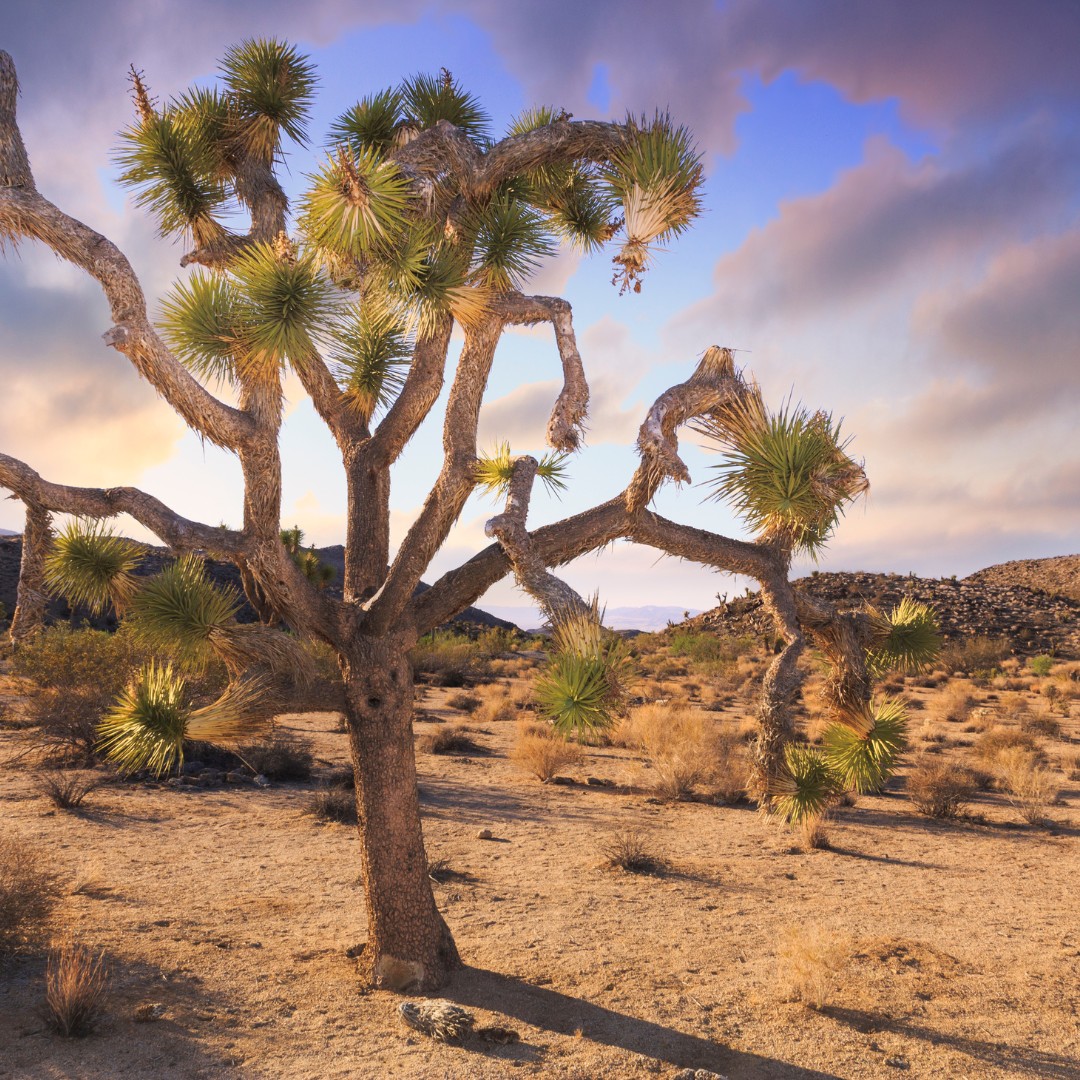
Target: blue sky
892, 232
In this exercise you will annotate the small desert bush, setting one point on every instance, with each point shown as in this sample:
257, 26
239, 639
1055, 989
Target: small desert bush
1030, 787
940, 789
463, 702
990, 745
954, 703
628, 850
1041, 665
333, 804
542, 751
75, 984
68, 790
28, 892
456, 739
686, 750
495, 709
281, 757
67, 718
810, 961
971, 655
1039, 724
446, 659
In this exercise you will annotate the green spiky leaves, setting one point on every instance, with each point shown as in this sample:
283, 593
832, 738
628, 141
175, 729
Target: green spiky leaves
271, 88
586, 682
151, 720
202, 319
862, 750
173, 171
656, 174
912, 640
785, 473
494, 471
181, 611
372, 354
373, 123
806, 786
511, 241
427, 99
90, 565
357, 204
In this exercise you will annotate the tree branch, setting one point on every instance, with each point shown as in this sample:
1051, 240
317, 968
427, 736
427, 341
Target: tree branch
554, 595
566, 425
455, 482
31, 600
713, 383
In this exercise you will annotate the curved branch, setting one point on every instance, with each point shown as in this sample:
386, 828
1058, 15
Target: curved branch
178, 532
444, 148
554, 595
566, 425
713, 383
563, 142
455, 482
420, 392
14, 164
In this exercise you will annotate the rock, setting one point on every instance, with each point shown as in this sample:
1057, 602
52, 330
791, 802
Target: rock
897, 1063
438, 1018
237, 777
596, 781
261, 781
192, 768
147, 1012
485, 834
697, 1074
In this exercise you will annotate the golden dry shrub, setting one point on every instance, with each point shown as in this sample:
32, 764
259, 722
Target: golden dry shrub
997, 740
542, 751
940, 789
75, 983
686, 750
28, 892
1029, 785
954, 704
810, 962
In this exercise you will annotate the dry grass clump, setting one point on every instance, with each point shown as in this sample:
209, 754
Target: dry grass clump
954, 704
970, 655
1039, 724
28, 892
1029, 785
281, 757
333, 804
940, 789
810, 961
990, 745
75, 983
463, 702
686, 751
67, 790
628, 850
454, 739
496, 705
541, 751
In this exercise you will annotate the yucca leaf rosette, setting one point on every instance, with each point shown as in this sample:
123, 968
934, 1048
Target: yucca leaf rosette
88, 564
152, 719
862, 749
371, 355
806, 786
586, 682
495, 470
911, 639
786, 473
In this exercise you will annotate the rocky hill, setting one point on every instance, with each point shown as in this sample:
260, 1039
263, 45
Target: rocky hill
997, 602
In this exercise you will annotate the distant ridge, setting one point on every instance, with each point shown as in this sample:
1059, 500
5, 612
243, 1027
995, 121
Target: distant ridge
994, 602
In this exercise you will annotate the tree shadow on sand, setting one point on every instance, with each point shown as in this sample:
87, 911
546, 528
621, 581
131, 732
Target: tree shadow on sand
562, 1014
1023, 1059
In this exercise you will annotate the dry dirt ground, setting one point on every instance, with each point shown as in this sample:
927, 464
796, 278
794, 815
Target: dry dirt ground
956, 945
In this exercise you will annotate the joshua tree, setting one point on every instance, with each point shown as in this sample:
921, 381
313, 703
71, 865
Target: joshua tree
415, 221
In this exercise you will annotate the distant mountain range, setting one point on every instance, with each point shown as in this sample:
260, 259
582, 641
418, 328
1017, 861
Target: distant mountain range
649, 617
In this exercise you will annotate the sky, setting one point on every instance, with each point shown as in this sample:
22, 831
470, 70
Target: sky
891, 233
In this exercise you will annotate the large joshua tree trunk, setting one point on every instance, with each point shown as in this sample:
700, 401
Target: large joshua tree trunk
31, 600
409, 945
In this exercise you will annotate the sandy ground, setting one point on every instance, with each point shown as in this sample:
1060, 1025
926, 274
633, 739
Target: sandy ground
233, 908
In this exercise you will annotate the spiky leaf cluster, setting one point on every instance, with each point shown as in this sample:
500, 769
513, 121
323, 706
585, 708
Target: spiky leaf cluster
203, 320
373, 123
180, 611
786, 473
912, 639
271, 88
152, 719
657, 175
511, 241
805, 787
586, 682
863, 748
88, 564
183, 160
495, 470
371, 354
427, 99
